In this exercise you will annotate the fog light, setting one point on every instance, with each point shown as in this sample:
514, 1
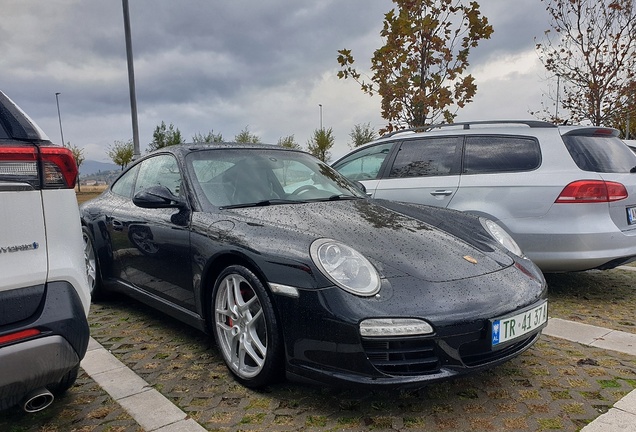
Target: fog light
391, 327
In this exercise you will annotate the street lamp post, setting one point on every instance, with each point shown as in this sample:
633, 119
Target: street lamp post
320, 105
59, 117
131, 80
556, 111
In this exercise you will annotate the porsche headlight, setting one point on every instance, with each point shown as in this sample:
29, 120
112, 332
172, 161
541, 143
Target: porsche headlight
345, 267
500, 234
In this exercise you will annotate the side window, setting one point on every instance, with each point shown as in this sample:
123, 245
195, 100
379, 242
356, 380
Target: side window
159, 170
124, 184
425, 157
364, 164
493, 154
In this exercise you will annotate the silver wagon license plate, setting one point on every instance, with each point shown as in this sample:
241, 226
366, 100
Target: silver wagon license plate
631, 215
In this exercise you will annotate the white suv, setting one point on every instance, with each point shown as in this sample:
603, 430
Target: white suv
566, 194
44, 293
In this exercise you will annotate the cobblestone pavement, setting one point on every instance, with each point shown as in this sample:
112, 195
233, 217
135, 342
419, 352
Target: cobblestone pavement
557, 385
84, 408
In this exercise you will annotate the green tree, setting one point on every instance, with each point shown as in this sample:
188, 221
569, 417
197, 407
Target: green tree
420, 71
246, 137
121, 153
591, 48
289, 142
361, 134
210, 137
165, 136
320, 144
78, 155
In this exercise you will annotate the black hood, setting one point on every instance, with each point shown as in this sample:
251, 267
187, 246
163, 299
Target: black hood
402, 240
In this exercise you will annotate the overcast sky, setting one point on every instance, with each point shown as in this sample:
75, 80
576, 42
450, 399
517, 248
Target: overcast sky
226, 65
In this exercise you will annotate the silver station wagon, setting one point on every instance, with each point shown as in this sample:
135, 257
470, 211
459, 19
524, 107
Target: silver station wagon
566, 194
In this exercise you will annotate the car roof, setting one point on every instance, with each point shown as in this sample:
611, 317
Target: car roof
185, 148
497, 127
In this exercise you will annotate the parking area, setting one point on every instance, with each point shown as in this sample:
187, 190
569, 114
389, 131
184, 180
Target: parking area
557, 385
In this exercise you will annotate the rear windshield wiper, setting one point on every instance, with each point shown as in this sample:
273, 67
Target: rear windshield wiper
263, 203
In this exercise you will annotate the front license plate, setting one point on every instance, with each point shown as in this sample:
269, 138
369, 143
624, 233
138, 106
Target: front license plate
631, 215
514, 327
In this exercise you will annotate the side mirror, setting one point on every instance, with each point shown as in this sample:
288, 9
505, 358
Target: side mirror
360, 186
158, 197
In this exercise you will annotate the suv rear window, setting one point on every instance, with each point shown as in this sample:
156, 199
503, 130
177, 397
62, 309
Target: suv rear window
494, 154
600, 154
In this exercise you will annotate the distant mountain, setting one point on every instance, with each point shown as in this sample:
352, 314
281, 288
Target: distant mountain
90, 167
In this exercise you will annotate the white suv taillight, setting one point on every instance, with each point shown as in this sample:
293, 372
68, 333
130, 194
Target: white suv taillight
46, 167
592, 191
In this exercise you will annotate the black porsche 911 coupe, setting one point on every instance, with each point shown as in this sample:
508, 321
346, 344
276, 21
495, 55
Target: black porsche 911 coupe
295, 270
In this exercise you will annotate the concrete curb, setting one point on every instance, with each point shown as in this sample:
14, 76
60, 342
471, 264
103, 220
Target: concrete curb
150, 409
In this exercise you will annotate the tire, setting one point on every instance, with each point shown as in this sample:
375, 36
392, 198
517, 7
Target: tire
66, 382
245, 327
92, 265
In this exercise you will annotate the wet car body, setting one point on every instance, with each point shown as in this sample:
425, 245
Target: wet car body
436, 265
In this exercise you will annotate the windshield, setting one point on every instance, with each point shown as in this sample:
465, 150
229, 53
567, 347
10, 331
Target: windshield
244, 177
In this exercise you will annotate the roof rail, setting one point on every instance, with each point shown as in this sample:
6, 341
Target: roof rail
467, 125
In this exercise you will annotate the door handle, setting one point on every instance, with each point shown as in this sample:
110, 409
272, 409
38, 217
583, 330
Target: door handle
441, 193
117, 225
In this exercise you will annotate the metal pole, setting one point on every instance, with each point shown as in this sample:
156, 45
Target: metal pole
320, 105
556, 113
131, 81
57, 101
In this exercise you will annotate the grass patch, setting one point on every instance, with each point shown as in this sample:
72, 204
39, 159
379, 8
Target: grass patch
529, 394
574, 408
260, 403
631, 382
550, 424
609, 384
414, 422
253, 418
560, 394
283, 420
348, 422
383, 422
316, 421
592, 395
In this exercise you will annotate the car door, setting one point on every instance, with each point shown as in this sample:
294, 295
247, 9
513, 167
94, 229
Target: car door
423, 171
153, 245
495, 179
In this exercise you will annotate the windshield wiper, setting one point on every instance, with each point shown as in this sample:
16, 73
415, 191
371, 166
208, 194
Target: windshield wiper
262, 203
337, 197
